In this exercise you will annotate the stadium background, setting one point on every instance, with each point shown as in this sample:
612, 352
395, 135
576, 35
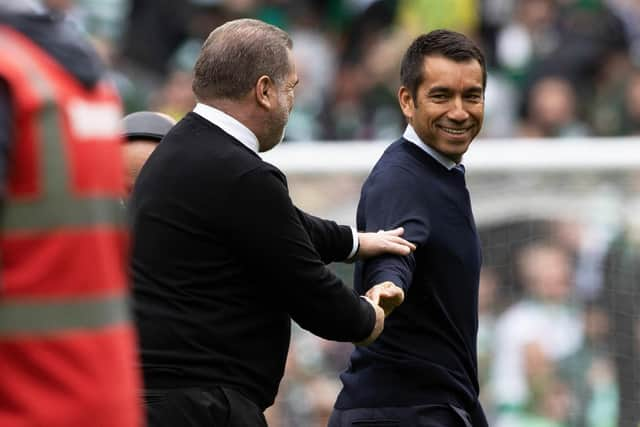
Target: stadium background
556, 164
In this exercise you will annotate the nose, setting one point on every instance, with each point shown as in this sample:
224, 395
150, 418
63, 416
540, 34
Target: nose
457, 113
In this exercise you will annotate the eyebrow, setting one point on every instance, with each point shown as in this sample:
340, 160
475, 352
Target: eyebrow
439, 89
446, 89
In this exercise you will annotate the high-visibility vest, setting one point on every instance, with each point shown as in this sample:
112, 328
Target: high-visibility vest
67, 348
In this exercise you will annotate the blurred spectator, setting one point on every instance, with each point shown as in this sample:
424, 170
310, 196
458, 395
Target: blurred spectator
628, 11
632, 105
590, 376
537, 331
174, 97
154, 29
607, 110
527, 37
487, 314
552, 110
421, 16
143, 131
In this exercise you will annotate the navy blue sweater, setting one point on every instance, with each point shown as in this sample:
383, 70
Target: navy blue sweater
427, 352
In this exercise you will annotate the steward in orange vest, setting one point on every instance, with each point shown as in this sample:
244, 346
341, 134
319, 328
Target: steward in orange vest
67, 349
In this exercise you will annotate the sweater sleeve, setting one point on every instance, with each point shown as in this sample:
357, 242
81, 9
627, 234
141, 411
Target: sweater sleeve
389, 200
267, 230
333, 242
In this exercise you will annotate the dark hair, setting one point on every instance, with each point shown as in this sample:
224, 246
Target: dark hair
450, 44
236, 55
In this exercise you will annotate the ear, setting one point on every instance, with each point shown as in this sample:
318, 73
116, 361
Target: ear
264, 91
406, 101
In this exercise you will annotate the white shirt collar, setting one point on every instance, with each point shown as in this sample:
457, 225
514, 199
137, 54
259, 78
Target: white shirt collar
411, 136
228, 124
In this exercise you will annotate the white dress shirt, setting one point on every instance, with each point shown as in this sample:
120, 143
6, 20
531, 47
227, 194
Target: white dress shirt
411, 136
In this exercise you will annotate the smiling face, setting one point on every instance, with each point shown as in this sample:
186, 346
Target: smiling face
448, 107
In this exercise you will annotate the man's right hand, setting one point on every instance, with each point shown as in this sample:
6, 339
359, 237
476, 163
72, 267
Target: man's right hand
377, 327
387, 295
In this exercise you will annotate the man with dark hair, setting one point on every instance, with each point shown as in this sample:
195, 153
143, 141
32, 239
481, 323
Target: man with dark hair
143, 131
67, 347
222, 259
422, 371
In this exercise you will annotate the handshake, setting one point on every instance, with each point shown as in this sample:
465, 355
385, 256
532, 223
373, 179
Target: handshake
384, 298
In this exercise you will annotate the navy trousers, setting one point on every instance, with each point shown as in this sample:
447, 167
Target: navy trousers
411, 416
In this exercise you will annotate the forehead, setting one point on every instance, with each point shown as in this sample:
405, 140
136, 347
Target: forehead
441, 71
293, 75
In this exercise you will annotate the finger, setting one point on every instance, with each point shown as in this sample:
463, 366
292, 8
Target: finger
393, 297
398, 249
395, 232
401, 241
402, 244
374, 295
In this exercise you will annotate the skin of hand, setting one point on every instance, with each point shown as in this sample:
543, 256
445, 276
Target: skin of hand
387, 295
377, 328
382, 242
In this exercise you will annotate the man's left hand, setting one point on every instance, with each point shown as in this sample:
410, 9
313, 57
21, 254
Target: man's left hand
384, 242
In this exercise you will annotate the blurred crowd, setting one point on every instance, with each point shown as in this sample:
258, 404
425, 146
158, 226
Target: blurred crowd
558, 341
559, 331
557, 68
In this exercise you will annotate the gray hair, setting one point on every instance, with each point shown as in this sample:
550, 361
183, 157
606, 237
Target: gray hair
236, 55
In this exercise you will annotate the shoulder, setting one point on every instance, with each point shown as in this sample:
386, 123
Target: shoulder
398, 164
207, 142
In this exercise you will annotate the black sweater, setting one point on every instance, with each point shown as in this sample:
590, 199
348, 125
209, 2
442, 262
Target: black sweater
427, 351
222, 260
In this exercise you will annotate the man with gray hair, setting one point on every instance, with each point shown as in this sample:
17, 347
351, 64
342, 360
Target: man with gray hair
222, 259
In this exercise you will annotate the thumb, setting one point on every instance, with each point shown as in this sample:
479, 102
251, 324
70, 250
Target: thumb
374, 295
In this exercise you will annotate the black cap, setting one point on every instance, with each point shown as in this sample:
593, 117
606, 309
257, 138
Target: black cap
147, 125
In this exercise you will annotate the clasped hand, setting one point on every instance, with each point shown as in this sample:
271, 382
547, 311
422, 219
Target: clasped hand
387, 295
384, 298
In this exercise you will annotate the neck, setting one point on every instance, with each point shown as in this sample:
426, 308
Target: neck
243, 111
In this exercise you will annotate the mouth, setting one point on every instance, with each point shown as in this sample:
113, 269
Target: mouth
456, 132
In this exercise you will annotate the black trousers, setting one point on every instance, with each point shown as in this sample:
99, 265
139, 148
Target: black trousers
411, 416
198, 407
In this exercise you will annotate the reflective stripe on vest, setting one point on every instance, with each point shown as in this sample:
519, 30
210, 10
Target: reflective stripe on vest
56, 206
21, 317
